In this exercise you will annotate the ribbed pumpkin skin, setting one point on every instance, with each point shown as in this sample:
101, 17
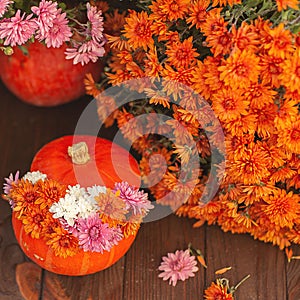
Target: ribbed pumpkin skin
53, 160
45, 77
83, 263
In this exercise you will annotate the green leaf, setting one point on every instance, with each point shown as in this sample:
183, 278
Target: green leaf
24, 50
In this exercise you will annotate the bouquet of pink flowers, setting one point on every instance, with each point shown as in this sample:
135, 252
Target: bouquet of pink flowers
53, 23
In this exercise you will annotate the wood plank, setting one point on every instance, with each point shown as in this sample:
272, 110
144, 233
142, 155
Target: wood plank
293, 276
106, 284
264, 262
154, 240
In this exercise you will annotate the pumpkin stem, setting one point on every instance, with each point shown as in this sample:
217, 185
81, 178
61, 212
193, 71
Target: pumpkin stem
79, 153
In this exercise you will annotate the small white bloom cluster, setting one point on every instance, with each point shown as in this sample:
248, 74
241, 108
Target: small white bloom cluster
77, 203
34, 176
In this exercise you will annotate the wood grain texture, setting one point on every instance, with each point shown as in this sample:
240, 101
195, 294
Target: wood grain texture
264, 263
107, 284
155, 240
25, 129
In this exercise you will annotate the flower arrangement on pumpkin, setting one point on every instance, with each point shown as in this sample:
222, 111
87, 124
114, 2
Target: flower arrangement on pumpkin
243, 59
54, 23
72, 218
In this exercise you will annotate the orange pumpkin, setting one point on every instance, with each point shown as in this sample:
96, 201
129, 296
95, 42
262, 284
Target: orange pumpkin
45, 77
108, 162
53, 160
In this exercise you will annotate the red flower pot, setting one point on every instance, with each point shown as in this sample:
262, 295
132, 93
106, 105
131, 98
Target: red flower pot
44, 77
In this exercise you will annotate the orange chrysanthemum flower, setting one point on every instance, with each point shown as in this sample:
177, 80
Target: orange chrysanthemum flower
112, 208
50, 191
119, 77
130, 228
218, 291
197, 13
284, 4
33, 222
244, 37
277, 156
24, 195
252, 167
242, 125
90, 85
280, 42
198, 80
174, 9
137, 30
106, 108
159, 29
49, 226
114, 22
282, 208
294, 181
212, 74
290, 137
153, 67
271, 69
182, 55
63, 243
214, 23
259, 95
158, 97
228, 104
154, 165
220, 42
235, 145
255, 193
290, 76
265, 120
282, 174
287, 114
117, 42
240, 69
175, 82
225, 2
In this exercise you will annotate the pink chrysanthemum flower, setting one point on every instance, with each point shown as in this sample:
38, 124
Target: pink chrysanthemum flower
9, 181
3, 6
135, 199
93, 235
86, 52
96, 22
178, 266
59, 33
17, 30
46, 12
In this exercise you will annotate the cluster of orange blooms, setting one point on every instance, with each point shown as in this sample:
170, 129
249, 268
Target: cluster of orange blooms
249, 73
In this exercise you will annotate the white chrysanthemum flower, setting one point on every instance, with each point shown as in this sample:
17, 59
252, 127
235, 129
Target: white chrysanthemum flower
77, 203
76, 190
95, 190
87, 206
34, 176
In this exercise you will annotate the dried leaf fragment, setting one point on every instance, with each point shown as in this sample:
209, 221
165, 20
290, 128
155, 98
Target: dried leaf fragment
223, 270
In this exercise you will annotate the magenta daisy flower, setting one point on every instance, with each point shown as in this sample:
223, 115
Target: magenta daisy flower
59, 33
96, 22
178, 266
9, 181
3, 6
46, 12
93, 235
17, 30
86, 52
135, 199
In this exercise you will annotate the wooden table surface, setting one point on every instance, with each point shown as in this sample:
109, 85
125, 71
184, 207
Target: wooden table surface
25, 129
